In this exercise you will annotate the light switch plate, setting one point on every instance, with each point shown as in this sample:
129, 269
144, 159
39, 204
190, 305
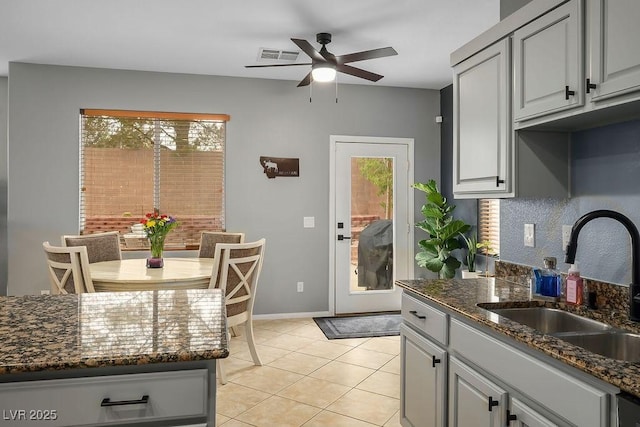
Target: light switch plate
309, 221
529, 235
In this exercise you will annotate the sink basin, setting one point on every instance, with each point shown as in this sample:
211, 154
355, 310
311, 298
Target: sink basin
551, 320
615, 345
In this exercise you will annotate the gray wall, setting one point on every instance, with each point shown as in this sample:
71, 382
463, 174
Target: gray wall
605, 171
268, 117
3, 183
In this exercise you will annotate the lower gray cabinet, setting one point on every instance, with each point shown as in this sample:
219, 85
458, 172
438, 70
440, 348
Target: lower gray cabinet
473, 399
423, 381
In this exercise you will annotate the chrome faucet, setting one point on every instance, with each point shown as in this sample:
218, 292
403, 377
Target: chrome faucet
634, 287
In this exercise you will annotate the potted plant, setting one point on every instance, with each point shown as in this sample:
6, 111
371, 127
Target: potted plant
472, 250
443, 230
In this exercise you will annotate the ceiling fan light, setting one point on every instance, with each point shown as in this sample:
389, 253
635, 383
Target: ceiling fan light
323, 73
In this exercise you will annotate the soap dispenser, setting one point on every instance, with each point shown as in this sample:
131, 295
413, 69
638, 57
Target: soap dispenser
575, 288
550, 280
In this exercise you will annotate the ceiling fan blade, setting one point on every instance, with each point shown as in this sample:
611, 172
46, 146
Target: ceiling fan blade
367, 54
306, 81
308, 49
367, 75
275, 65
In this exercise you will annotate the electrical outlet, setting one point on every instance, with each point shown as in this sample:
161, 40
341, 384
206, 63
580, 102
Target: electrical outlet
529, 235
566, 235
300, 286
45, 292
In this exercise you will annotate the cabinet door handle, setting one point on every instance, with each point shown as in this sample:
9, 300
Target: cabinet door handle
568, 93
499, 181
434, 361
511, 417
419, 316
492, 403
343, 237
590, 86
142, 401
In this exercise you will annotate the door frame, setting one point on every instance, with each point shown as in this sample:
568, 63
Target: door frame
333, 140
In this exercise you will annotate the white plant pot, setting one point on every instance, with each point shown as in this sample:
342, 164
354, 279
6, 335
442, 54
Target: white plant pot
466, 274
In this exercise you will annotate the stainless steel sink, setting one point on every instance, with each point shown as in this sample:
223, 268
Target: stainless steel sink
594, 336
551, 320
615, 344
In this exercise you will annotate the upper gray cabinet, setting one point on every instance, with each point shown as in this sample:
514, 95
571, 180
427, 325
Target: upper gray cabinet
481, 128
547, 56
578, 66
613, 48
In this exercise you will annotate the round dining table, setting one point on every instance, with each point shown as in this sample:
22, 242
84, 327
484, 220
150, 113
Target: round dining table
134, 275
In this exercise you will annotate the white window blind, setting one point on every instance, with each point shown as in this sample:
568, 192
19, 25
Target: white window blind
133, 162
489, 224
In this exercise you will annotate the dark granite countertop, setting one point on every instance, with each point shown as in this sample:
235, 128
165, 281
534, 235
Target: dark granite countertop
461, 296
58, 332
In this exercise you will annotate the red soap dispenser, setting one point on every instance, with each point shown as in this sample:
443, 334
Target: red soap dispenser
575, 287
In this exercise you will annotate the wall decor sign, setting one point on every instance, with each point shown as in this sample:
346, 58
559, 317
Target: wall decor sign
279, 166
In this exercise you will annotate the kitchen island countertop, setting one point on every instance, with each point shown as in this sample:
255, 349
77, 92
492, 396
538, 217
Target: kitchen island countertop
462, 296
63, 332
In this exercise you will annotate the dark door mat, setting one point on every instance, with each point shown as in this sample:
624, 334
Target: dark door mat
370, 325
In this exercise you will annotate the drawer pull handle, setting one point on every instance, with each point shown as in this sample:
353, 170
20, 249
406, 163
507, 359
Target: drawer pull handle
419, 316
434, 361
492, 403
142, 401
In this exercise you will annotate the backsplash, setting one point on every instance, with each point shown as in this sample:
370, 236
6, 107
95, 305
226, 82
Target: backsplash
605, 170
609, 296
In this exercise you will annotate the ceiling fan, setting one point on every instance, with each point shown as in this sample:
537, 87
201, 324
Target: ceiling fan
324, 64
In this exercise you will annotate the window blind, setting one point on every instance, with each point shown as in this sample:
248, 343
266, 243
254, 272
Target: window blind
489, 223
133, 162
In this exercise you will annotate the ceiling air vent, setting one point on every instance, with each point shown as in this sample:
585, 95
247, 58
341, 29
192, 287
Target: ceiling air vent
277, 55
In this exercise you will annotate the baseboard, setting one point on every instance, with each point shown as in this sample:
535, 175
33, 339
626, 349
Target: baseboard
290, 315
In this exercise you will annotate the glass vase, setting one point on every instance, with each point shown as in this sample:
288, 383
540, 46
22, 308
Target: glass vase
157, 248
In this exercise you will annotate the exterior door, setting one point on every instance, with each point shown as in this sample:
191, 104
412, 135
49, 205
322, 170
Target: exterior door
371, 228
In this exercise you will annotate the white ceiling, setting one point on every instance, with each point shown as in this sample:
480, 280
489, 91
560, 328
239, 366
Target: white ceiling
221, 37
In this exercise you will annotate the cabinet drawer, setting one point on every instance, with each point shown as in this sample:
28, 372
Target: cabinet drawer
105, 400
431, 321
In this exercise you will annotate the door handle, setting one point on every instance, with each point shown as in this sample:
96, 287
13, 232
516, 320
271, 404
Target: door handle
568, 93
341, 237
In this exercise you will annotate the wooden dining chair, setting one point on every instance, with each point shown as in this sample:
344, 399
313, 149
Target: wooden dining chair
68, 269
100, 246
236, 271
209, 239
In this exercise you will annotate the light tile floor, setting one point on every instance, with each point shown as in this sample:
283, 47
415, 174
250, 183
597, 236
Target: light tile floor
308, 380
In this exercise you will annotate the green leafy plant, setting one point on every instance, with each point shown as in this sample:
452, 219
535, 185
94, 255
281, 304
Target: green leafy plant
472, 250
443, 231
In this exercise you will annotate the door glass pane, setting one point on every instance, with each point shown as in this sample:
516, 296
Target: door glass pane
371, 224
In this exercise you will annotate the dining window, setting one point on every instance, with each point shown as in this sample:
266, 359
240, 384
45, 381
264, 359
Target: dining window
134, 162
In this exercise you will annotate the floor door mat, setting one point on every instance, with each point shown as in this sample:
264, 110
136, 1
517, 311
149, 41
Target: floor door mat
370, 325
